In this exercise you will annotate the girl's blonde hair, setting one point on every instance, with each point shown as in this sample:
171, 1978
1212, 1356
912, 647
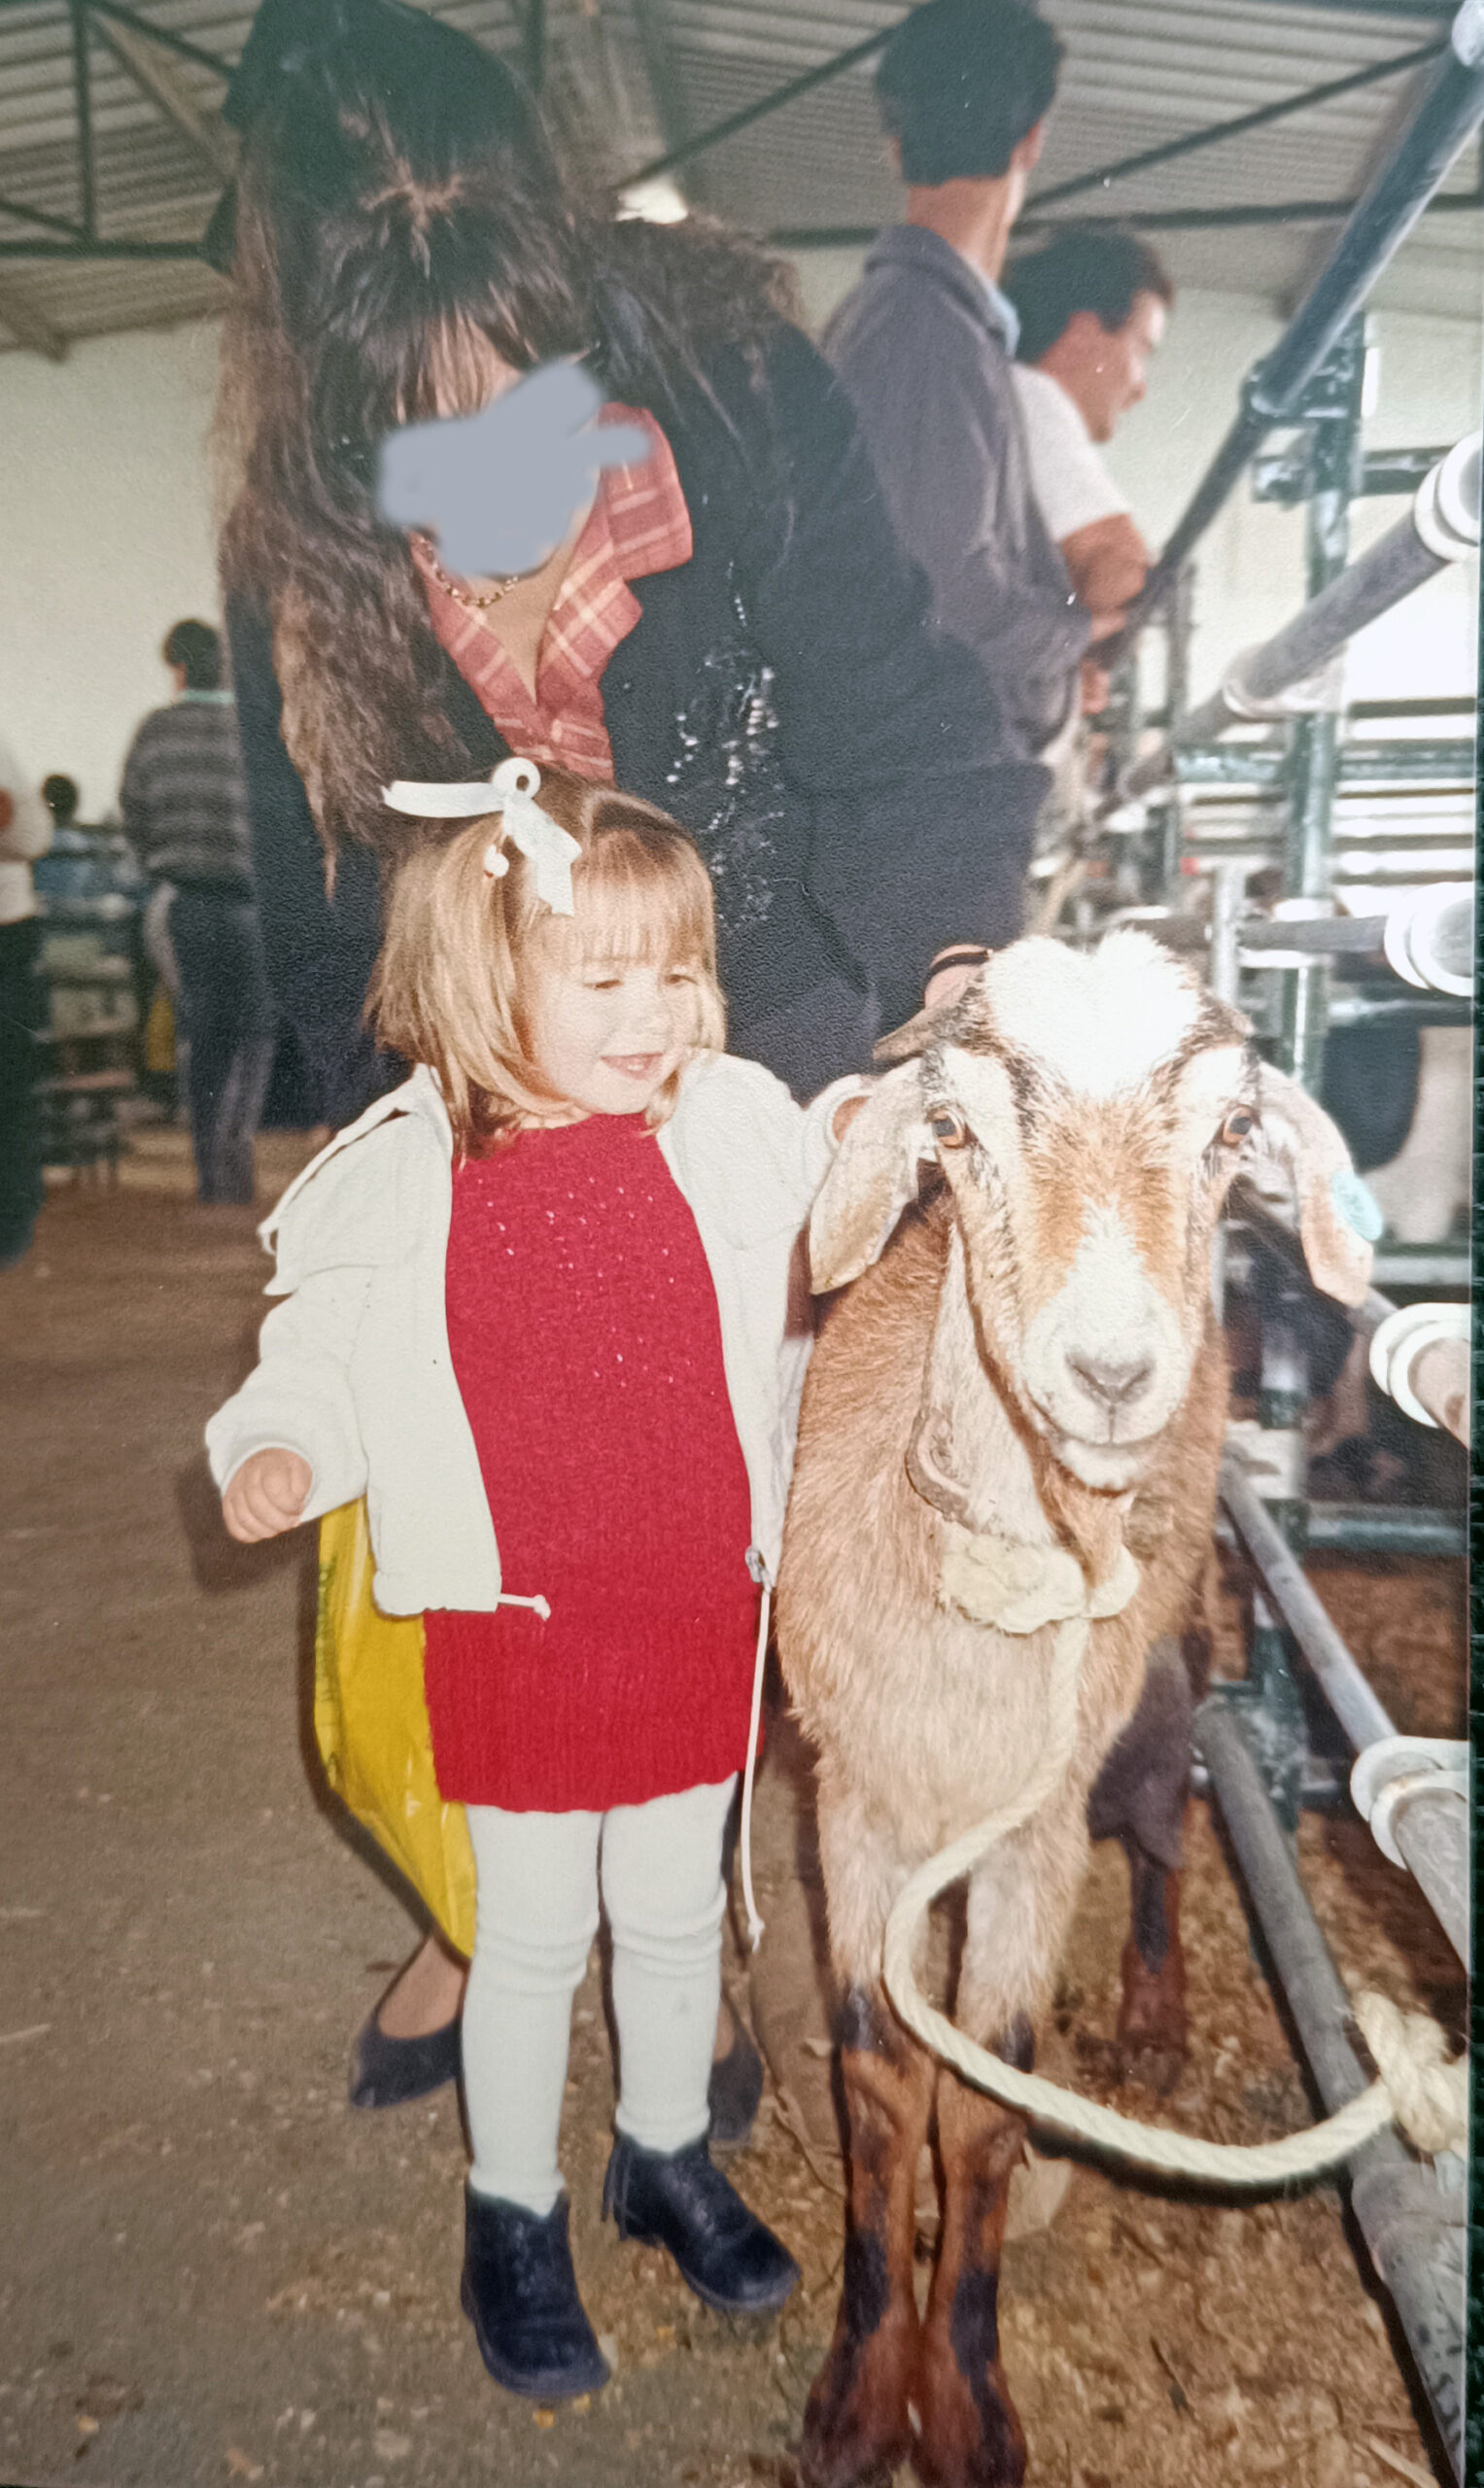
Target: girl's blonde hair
452, 986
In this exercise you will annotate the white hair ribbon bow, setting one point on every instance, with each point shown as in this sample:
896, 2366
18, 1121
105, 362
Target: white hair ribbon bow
511, 790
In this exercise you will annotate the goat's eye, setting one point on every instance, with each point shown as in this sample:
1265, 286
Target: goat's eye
1238, 1126
949, 1130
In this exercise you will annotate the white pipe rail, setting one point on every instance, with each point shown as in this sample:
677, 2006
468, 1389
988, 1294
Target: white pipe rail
1426, 936
1441, 526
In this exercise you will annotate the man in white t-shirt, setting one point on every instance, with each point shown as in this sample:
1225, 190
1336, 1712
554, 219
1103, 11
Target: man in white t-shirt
1093, 307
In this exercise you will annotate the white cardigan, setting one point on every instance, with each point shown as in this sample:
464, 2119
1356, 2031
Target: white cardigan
355, 1371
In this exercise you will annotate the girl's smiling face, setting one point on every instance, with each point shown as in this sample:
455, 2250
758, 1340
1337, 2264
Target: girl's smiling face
607, 1033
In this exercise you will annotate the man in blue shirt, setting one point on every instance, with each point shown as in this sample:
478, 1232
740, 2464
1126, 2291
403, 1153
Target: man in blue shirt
926, 341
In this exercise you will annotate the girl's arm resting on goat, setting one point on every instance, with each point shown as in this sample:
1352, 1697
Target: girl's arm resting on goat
802, 1140
299, 1397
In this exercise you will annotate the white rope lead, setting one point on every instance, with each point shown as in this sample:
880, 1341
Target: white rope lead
749, 1776
1409, 2049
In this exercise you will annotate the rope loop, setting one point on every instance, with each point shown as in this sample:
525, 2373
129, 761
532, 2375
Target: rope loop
1428, 2094
1425, 2093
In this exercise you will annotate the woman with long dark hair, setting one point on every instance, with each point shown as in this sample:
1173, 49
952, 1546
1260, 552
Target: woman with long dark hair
729, 629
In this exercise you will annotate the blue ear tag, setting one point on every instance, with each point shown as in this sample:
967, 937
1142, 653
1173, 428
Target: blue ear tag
1357, 1205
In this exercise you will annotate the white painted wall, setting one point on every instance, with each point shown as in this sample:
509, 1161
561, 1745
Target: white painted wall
106, 534
105, 539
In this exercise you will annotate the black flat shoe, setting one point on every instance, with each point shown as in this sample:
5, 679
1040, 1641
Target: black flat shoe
735, 2091
386, 2072
520, 2293
678, 2201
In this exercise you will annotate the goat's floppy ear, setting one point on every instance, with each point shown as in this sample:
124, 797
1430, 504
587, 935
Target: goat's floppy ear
874, 1177
1337, 1219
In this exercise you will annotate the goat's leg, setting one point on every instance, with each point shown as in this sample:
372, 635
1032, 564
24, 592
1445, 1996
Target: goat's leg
1153, 2029
970, 2435
855, 2427
1139, 1798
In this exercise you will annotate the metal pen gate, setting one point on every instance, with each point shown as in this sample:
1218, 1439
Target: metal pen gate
1253, 1734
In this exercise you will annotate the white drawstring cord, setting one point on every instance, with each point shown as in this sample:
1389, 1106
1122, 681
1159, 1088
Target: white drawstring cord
539, 1605
749, 1776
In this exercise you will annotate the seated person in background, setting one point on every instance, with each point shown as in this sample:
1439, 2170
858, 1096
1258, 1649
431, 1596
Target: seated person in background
1092, 307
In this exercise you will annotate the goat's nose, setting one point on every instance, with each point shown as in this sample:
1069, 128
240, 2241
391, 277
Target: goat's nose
1114, 1380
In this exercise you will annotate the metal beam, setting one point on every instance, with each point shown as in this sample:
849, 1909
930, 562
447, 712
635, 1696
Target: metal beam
671, 112
1431, 12
82, 91
1215, 131
39, 216
1438, 11
1165, 220
1450, 113
90, 247
208, 138
29, 329
766, 104
533, 30
171, 40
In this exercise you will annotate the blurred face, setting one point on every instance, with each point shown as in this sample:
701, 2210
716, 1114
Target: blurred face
605, 1034
1105, 370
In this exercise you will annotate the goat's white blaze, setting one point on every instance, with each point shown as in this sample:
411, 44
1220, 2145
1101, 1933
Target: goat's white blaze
1099, 1022
1108, 1329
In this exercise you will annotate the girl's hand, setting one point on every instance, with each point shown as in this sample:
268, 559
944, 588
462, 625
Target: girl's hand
266, 1495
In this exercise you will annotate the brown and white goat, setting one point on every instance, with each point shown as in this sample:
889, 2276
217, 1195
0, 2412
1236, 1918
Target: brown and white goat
1030, 1356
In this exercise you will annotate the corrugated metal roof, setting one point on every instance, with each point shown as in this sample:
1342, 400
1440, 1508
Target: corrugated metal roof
1137, 72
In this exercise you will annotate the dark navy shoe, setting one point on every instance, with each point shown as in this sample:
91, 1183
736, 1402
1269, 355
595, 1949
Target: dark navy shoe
520, 2293
386, 2072
735, 2091
678, 2201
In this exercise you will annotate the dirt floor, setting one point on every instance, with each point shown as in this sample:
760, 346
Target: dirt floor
212, 2269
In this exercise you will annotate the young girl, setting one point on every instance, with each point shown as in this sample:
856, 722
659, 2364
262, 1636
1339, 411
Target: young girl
535, 1310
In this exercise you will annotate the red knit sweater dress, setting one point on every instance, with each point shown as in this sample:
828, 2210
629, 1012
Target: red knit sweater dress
587, 1346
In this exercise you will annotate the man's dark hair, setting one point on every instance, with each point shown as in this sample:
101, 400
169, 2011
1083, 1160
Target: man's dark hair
1086, 269
961, 82
198, 648
61, 798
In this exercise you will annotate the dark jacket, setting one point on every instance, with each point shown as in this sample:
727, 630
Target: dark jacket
919, 349
783, 695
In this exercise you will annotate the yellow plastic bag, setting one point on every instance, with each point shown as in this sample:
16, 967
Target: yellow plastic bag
370, 1723
159, 1033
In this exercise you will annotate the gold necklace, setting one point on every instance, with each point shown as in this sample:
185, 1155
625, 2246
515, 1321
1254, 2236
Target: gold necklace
466, 596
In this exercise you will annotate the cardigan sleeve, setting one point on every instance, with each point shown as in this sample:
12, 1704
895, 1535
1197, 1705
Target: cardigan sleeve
320, 948
758, 1154
299, 1397
355, 1211
922, 822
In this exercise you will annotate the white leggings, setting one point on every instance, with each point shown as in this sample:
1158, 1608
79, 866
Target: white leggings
535, 1917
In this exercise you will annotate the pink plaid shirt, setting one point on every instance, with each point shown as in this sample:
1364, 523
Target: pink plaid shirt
638, 524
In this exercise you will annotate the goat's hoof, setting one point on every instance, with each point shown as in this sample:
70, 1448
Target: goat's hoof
1154, 2033
856, 2432
971, 2437
1155, 2070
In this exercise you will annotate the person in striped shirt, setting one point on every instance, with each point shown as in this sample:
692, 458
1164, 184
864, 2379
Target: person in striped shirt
185, 813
